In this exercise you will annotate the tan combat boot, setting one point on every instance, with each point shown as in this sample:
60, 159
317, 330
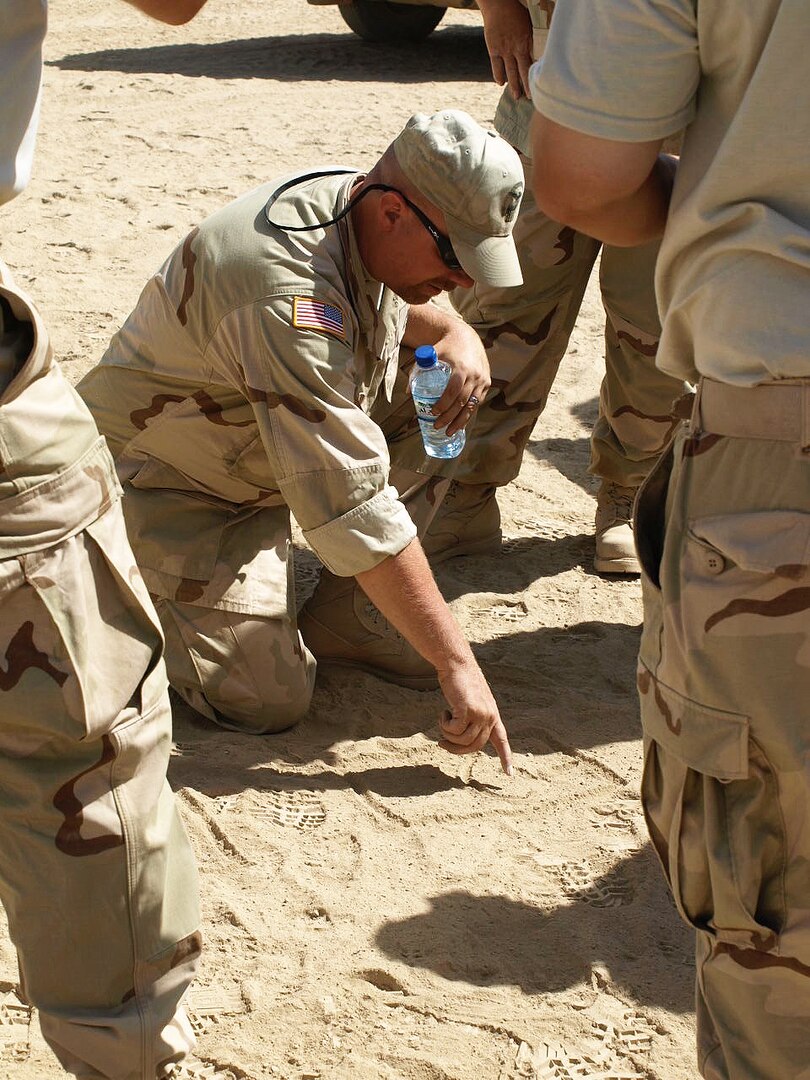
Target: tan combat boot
467, 523
341, 626
615, 547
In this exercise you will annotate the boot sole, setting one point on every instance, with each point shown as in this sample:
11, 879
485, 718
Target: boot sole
410, 682
617, 566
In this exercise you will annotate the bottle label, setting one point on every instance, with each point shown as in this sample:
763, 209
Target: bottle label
424, 408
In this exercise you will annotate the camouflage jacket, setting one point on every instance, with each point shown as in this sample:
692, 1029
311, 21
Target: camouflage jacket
242, 382
56, 476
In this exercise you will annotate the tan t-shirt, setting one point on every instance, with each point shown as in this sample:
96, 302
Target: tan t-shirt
733, 277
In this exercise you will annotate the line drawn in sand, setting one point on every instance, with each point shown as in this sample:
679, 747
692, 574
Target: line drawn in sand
556, 1062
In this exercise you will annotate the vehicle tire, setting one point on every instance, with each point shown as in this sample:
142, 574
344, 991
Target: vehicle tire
389, 22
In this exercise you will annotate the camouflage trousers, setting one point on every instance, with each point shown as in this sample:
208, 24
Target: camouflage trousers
526, 332
249, 673
96, 872
723, 530
253, 673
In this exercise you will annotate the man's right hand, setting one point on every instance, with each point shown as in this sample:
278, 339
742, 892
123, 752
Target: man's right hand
403, 588
473, 719
508, 36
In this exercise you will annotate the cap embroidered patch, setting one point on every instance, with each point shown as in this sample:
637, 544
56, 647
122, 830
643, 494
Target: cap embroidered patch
310, 314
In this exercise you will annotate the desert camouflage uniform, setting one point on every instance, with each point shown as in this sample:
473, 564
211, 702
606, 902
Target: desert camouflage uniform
238, 390
96, 873
526, 332
723, 521
724, 680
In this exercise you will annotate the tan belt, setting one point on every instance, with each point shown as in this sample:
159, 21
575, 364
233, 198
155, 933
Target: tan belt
778, 411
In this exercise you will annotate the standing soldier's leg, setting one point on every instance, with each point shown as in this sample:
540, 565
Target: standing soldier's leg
724, 685
635, 419
96, 872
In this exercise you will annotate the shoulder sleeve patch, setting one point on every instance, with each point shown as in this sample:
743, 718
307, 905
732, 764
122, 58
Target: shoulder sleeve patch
312, 314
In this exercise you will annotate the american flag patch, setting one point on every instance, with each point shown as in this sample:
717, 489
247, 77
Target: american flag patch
309, 314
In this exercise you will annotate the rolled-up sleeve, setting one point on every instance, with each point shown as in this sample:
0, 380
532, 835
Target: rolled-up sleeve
330, 459
364, 536
626, 70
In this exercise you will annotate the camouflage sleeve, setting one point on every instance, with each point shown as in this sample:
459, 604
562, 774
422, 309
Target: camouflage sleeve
628, 72
330, 459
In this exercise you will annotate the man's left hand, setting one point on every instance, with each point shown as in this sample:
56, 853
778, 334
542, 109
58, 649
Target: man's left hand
470, 381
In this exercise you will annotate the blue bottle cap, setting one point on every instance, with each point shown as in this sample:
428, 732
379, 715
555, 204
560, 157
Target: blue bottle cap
426, 356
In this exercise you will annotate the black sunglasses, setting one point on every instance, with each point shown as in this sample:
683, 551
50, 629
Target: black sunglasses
442, 242
449, 257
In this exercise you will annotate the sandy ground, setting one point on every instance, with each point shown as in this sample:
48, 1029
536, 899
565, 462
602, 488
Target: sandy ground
373, 907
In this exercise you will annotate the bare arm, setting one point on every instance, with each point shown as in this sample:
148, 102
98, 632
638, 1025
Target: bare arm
618, 192
508, 37
174, 12
402, 587
460, 346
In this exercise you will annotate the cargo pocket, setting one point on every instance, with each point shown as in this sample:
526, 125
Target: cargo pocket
757, 541
744, 585
108, 532
108, 635
173, 531
711, 803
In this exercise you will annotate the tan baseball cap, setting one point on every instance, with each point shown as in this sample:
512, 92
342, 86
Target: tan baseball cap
475, 178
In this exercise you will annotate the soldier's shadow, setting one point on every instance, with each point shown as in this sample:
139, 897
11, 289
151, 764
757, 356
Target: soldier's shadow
516, 565
448, 55
570, 457
622, 925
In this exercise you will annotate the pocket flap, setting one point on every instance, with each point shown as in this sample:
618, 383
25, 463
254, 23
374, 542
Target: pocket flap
173, 533
758, 541
709, 741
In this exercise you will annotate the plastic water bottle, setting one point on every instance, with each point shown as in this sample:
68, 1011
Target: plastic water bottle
427, 386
